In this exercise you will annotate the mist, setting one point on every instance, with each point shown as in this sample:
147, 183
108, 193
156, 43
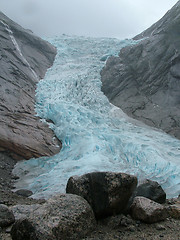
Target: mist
96, 18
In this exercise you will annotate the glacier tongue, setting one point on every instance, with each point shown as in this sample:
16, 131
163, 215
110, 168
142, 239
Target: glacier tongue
96, 135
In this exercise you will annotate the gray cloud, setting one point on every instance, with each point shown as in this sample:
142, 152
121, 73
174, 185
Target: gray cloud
106, 18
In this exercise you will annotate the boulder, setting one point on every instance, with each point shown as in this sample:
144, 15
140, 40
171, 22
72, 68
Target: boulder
147, 211
24, 59
107, 192
144, 80
6, 216
152, 190
24, 192
64, 216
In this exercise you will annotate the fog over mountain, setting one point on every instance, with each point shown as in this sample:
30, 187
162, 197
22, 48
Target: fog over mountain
110, 18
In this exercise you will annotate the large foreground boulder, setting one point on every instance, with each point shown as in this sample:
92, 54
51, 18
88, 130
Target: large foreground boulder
144, 80
147, 210
24, 59
107, 192
64, 216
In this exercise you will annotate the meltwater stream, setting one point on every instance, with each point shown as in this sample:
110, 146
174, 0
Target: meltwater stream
96, 135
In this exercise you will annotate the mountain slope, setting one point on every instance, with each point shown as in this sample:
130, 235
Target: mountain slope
144, 80
24, 59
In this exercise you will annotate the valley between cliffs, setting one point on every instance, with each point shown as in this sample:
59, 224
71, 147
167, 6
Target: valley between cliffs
143, 81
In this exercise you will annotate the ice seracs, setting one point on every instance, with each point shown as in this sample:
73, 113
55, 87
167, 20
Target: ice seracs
94, 138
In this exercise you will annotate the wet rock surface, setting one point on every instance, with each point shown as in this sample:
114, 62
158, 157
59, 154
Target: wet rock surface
24, 59
144, 80
107, 192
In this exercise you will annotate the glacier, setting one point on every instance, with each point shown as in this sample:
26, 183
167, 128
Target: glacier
96, 135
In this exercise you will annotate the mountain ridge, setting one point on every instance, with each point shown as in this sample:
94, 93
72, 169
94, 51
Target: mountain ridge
24, 59
144, 79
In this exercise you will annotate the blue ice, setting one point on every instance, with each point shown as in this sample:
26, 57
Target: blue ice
96, 135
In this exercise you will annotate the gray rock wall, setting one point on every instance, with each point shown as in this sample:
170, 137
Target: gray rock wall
144, 81
24, 59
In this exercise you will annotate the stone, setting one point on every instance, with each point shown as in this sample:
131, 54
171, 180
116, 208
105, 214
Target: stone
152, 190
126, 221
160, 227
6, 216
8, 229
147, 211
24, 192
173, 207
107, 192
23, 211
22, 134
144, 80
174, 211
64, 216
131, 228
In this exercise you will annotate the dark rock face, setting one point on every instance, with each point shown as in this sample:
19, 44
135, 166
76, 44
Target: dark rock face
152, 190
147, 210
24, 59
148, 189
144, 81
107, 192
64, 216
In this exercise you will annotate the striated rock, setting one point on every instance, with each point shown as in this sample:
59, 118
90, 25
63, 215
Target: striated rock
6, 216
23, 211
152, 190
107, 192
144, 80
64, 217
148, 211
24, 59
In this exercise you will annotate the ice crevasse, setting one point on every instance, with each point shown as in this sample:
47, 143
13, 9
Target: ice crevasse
96, 135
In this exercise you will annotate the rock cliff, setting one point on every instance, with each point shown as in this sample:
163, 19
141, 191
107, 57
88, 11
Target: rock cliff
24, 59
144, 81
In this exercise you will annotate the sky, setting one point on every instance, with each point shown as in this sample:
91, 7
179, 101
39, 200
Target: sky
97, 18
